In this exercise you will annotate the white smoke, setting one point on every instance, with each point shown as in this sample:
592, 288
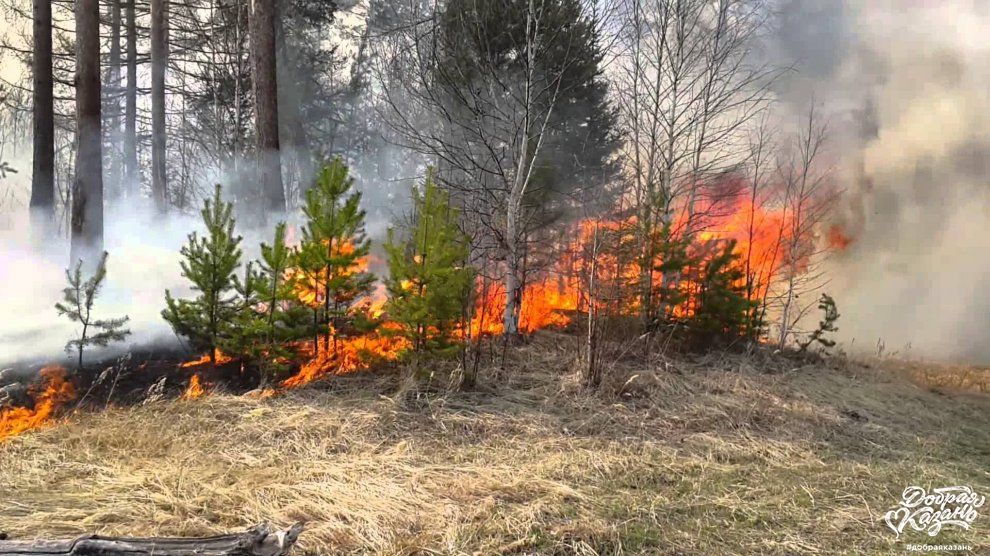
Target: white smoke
907, 82
144, 260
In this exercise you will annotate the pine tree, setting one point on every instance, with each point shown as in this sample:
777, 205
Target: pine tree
282, 313
210, 264
77, 304
330, 257
671, 254
721, 308
825, 326
429, 281
243, 334
270, 314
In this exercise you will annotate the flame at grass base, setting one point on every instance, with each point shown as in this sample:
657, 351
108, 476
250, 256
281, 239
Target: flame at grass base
194, 390
349, 354
54, 392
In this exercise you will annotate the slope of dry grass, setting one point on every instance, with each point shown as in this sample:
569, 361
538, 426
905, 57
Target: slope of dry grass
712, 456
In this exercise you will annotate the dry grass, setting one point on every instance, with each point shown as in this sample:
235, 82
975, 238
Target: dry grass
711, 456
941, 377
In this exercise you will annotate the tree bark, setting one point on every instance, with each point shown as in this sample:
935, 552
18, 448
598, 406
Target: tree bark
266, 105
292, 132
43, 171
87, 187
159, 60
113, 105
257, 541
131, 181
510, 317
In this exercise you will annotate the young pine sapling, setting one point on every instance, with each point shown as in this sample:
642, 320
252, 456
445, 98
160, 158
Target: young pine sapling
77, 304
825, 326
429, 281
210, 264
330, 256
271, 314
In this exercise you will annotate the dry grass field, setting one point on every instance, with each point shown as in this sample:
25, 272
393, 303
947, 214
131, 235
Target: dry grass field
720, 455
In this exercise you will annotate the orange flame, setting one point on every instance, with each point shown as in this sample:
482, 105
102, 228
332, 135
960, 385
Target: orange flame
838, 239
342, 354
347, 355
194, 390
309, 286
548, 303
558, 293
221, 358
759, 232
54, 392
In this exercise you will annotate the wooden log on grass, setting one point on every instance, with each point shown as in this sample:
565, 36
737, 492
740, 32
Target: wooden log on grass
261, 540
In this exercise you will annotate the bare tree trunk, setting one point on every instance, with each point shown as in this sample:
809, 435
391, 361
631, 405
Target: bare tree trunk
510, 319
525, 162
266, 104
131, 181
593, 372
43, 172
159, 59
113, 90
87, 189
293, 139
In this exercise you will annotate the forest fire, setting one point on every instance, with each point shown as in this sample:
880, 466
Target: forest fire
49, 396
531, 227
761, 244
551, 298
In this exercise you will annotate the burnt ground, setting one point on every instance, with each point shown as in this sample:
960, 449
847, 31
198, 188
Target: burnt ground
129, 378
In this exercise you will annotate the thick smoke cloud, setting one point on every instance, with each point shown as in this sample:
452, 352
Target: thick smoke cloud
144, 260
907, 86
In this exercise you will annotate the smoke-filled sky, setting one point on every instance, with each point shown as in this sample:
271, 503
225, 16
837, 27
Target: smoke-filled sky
906, 85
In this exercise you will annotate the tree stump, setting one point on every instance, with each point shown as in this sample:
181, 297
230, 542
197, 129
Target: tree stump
260, 540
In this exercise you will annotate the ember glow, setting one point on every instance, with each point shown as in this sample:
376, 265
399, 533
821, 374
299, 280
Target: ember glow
51, 394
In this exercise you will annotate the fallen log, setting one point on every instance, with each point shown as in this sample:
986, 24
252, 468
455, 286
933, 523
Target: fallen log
260, 540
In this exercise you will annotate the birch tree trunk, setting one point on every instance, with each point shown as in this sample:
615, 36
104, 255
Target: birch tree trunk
87, 188
43, 171
159, 60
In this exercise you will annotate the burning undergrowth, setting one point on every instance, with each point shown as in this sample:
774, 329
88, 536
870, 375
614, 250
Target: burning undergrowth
554, 297
23, 408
